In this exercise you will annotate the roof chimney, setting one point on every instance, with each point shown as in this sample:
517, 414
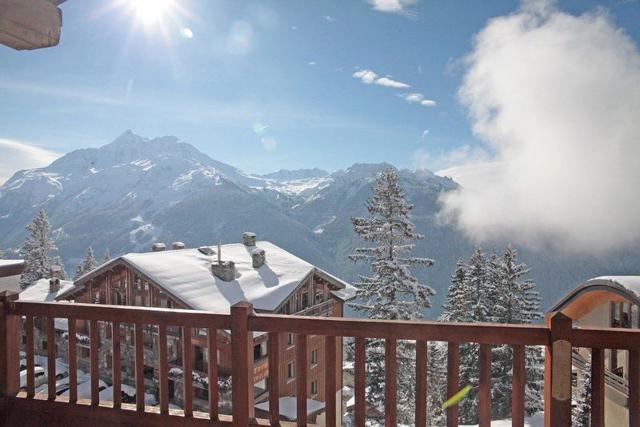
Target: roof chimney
177, 245
249, 239
258, 257
224, 270
54, 285
158, 247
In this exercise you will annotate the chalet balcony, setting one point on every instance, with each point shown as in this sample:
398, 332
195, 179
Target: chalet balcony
26, 407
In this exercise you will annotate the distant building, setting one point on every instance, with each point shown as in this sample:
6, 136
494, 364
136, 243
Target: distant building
211, 278
606, 302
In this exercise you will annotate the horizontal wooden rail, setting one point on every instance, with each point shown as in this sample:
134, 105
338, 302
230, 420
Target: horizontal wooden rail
123, 314
559, 336
483, 333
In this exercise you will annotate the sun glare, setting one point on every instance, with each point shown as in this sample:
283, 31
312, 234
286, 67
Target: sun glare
150, 12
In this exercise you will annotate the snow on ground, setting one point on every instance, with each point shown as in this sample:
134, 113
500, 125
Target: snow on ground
536, 420
288, 407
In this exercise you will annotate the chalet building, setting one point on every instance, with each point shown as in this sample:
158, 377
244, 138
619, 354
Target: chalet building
606, 302
210, 279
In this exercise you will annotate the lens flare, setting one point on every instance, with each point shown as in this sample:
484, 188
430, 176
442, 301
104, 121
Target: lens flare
150, 12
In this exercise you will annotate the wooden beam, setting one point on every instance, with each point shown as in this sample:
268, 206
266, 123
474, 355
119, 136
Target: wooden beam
139, 366
212, 372
31, 382
242, 392
163, 367
302, 369
116, 365
518, 382
360, 382
330, 373
274, 378
484, 393
73, 360
421, 383
597, 387
51, 357
29, 24
391, 382
634, 388
453, 381
558, 405
187, 362
94, 338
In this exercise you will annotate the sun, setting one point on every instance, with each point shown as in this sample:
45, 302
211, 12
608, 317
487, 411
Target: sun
150, 12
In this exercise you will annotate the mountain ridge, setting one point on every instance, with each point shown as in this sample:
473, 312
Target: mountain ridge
135, 191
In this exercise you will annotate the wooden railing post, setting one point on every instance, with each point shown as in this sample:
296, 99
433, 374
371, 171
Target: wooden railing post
242, 392
9, 354
558, 372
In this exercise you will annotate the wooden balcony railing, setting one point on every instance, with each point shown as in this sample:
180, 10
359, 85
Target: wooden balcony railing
28, 408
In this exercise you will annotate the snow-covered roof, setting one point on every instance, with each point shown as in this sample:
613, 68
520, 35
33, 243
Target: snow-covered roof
627, 287
186, 274
288, 407
39, 291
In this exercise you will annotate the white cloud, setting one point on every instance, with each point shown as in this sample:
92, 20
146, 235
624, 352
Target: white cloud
365, 76
418, 98
15, 155
369, 77
269, 143
388, 82
425, 133
330, 18
463, 155
311, 63
557, 97
393, 6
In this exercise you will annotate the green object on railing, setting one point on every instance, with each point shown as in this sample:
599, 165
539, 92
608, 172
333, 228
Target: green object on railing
453, 400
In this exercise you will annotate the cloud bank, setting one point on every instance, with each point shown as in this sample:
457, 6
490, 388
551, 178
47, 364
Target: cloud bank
16, 155
557, 97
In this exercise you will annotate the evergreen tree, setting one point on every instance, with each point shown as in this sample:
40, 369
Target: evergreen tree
436, 382
581, 413
2, 254
517, 302
493, 289
457, 308
88, 264
391, 292
36, 250
107, 256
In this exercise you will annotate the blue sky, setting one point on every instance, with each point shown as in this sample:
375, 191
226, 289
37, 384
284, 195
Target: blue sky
260, 85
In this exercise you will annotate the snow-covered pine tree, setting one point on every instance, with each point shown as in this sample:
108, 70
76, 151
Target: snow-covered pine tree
57, 262
581, 413
391, 291
517, 302
436, 382
107, 256
457, 306
36, 250
88, 264
2, 254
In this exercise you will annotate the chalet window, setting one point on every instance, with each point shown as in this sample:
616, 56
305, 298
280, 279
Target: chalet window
24, 340
319, 296
291, 372
314, 388
44, 344
290, 339
257, 353
314, 357
305, 300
